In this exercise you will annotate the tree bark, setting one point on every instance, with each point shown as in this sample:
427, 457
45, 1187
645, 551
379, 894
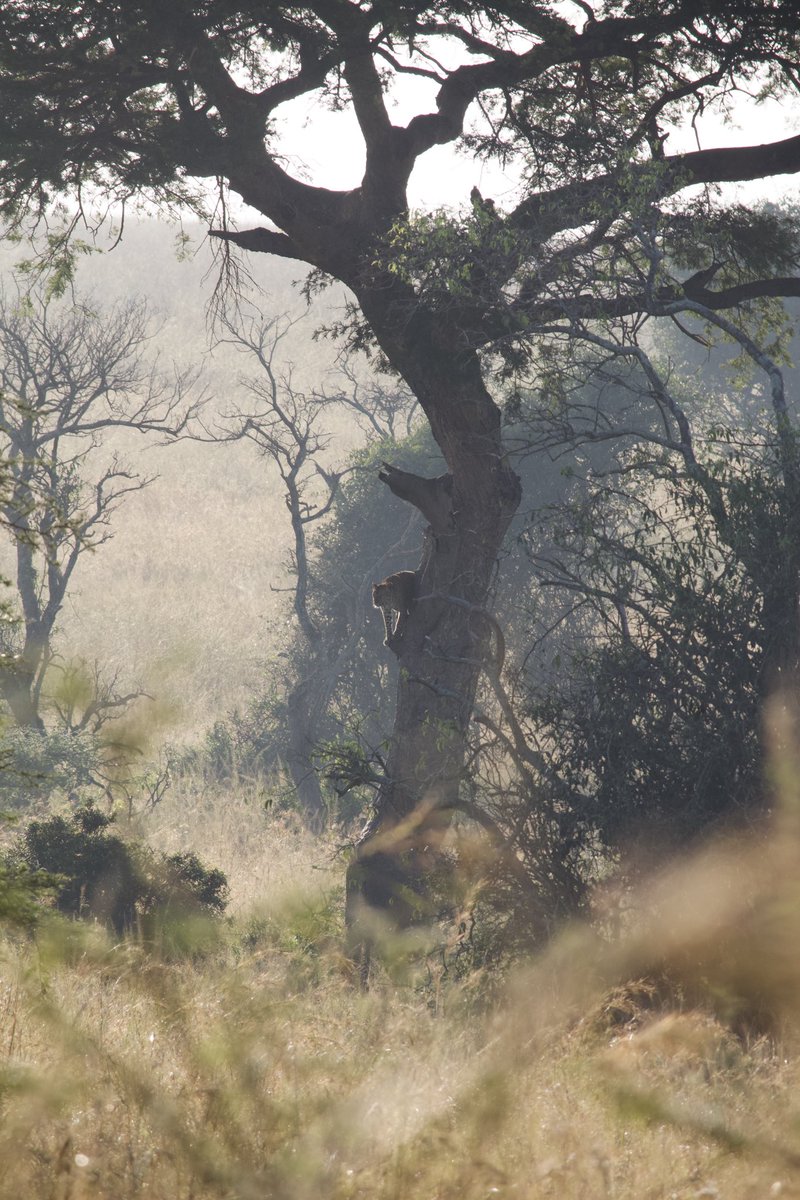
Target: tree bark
441, 653
302, 718
22, 675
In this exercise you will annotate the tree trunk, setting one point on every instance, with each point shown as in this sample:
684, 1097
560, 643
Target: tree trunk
441, 652
302, 719
22, 675
17, 686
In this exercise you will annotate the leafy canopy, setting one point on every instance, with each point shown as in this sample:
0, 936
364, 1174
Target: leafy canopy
111, 101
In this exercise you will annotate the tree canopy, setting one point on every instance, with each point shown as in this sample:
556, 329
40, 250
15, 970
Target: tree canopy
120, 100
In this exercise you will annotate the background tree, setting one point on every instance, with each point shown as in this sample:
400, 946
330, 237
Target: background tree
69, 376
291, 428
146, 101
672, 575
344, 675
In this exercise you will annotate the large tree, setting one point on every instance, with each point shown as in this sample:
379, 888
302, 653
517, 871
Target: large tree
134, 98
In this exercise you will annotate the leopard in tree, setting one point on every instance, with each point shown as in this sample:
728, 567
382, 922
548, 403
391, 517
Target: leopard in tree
395, 594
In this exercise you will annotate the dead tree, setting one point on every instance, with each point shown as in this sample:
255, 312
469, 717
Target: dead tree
287, 425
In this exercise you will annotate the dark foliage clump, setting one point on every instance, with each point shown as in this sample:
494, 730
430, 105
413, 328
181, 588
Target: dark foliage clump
184, 877
117, 882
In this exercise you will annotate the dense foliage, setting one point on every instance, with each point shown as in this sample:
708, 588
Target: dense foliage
120, 883
653, 720
667, 575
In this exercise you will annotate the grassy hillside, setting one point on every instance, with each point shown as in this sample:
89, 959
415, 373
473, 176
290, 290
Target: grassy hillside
181, 601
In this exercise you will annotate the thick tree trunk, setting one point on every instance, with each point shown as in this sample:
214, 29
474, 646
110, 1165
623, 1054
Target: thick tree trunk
441, 653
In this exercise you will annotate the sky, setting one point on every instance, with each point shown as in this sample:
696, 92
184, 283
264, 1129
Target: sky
326, 149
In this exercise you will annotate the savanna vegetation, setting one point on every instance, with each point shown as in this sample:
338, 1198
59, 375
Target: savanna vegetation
492, 891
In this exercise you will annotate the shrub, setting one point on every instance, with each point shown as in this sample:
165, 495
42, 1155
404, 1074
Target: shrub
114, 881
184, 880
35, 765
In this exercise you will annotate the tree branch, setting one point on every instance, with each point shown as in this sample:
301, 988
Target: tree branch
615, 35
576, 204
741, 292
264, 241
433, 497
524, 316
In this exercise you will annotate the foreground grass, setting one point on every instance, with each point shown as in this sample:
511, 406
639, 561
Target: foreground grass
238, 1060
253, 1068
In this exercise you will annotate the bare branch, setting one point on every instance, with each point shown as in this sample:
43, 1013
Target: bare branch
264, 241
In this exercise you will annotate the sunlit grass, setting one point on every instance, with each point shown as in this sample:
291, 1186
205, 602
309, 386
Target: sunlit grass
256, 1068
242, 1061
246, 1076
266, 857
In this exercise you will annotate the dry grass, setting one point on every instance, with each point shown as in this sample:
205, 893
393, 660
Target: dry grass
254, 1067
268, 859
265, 1075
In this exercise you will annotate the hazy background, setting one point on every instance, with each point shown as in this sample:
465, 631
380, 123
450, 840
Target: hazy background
181, 599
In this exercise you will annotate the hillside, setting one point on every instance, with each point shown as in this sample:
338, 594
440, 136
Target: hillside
181, 601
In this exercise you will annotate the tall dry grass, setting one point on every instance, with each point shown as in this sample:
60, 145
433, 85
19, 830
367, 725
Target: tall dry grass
658, 1063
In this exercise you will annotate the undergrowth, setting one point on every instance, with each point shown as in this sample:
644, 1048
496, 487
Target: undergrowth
660, 1063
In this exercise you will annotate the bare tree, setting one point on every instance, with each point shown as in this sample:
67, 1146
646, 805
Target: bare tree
69, 375
284, 422
287, 425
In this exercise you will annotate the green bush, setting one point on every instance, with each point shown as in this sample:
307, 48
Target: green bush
35, 765
119, 883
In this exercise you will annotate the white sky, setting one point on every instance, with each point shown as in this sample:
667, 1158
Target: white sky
325, 148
